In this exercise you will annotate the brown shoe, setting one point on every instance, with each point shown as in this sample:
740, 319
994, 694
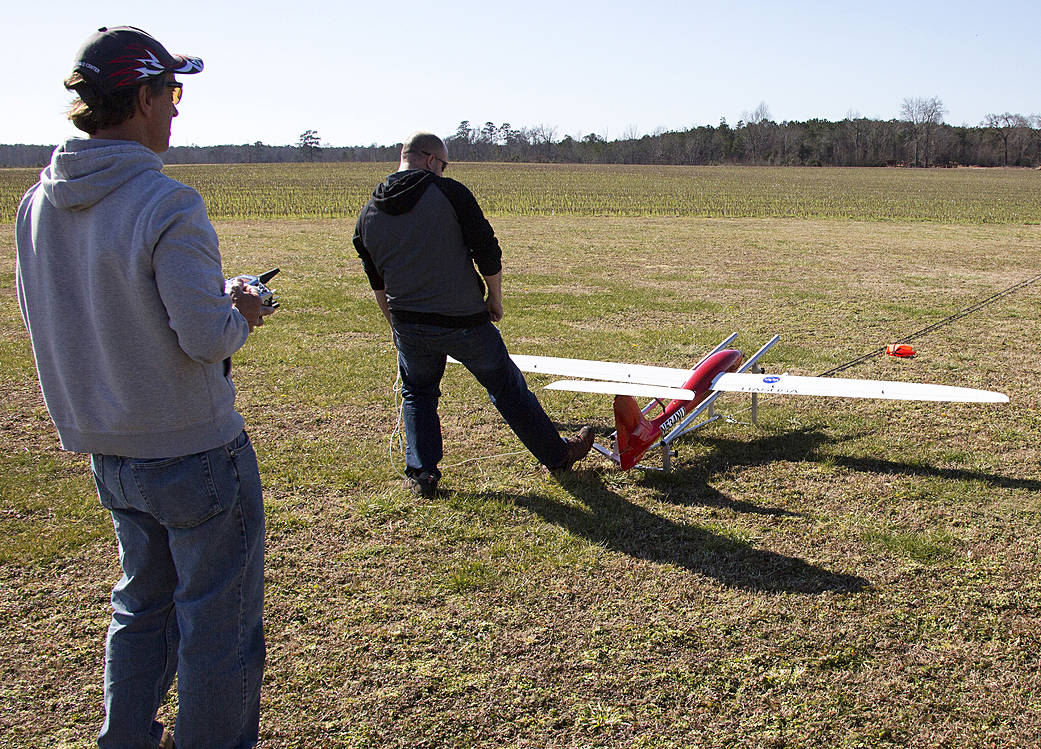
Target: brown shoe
423, 484
167, 742
578, 447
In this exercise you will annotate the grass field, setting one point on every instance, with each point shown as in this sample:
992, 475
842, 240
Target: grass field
278, 191
844, 574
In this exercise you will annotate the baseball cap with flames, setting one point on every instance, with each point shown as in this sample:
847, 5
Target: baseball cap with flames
126, 56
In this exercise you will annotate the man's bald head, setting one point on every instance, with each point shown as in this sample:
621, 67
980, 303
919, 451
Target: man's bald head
424, 151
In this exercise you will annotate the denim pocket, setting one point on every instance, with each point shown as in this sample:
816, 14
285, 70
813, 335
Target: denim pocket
97, 469
179, 492
238, 444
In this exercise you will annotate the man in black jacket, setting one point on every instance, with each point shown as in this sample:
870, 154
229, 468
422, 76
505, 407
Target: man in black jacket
419, 237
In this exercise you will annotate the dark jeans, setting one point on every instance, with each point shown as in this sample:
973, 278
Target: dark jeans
191, 544
422, 350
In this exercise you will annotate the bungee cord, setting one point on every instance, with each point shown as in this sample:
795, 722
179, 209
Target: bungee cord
936, 325
730, 417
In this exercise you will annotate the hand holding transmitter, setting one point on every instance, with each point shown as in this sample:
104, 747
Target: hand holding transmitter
268, 303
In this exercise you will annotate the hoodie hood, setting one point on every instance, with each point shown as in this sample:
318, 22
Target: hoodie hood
400, 192
82, 171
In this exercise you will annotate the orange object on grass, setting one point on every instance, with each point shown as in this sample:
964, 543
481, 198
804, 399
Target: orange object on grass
900, 349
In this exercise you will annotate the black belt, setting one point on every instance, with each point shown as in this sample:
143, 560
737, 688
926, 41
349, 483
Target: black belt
443, 321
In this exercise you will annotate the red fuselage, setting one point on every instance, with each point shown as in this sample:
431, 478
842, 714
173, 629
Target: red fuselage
636, 433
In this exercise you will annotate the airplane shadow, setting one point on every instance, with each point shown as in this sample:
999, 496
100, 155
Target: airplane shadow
688, 484
878, 465
802, 445
604, 517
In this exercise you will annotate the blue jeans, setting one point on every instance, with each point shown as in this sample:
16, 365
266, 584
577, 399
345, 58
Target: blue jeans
422, 350
191, 544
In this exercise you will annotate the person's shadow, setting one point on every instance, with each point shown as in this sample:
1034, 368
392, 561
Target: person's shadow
604, 517
610, 520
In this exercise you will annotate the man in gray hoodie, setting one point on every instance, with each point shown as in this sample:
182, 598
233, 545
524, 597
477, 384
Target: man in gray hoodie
120, 286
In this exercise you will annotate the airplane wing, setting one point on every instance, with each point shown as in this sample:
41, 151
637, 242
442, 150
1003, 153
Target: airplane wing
600, 370
623, 388
845, 388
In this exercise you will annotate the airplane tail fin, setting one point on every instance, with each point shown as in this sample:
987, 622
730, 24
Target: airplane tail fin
633, 432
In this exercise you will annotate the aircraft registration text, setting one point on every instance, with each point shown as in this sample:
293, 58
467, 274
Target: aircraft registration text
670, 422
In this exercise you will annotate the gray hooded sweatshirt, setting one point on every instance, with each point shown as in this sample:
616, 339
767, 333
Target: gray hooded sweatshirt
120, 287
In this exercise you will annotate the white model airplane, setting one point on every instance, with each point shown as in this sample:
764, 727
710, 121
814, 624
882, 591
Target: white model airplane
686, 394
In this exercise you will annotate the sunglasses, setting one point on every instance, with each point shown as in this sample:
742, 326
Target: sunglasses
444, 164
177, 89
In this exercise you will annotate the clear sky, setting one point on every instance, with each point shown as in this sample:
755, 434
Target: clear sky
372, 72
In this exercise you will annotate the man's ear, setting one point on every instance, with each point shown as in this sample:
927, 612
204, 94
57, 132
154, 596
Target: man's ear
145, 99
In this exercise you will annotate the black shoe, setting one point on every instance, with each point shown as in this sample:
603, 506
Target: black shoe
578, 447
422, 484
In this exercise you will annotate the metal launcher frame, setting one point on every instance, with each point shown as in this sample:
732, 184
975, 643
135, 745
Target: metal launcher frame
706, 409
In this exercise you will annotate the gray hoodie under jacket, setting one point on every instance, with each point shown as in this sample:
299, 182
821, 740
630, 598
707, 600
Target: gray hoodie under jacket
121, 289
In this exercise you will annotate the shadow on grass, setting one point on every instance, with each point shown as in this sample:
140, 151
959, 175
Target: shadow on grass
689, 484
606, 518
801, 445
880, 465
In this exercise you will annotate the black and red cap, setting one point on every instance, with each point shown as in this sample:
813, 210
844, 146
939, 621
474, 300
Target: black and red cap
120, 56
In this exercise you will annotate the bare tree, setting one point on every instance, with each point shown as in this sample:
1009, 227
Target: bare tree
756, 131
1005, 126
855, 129
542, 138
923, 115
1035, 135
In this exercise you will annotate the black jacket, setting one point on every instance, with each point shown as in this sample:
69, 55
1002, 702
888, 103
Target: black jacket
419, 237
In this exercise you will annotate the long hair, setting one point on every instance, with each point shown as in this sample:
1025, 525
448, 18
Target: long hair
91, 112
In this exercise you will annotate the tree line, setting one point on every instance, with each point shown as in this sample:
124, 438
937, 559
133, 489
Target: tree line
249, 153
918, 138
